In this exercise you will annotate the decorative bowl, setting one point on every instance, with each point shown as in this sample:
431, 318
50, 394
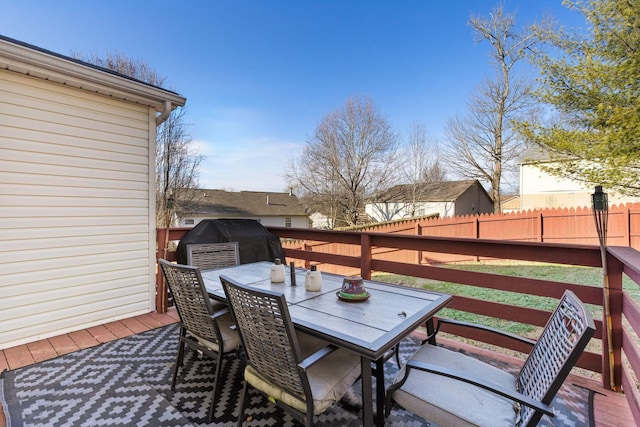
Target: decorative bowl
353, 288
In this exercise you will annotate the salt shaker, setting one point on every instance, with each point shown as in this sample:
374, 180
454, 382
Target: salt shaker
313, 281
277, 271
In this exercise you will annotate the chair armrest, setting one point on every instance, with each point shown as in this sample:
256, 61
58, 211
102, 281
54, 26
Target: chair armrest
470, 379
483, 328
315, 357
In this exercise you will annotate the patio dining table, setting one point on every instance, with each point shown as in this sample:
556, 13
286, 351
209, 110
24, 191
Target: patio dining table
369, 328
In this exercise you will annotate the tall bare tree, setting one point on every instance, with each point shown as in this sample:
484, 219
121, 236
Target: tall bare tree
350, 157
421, 157
177, 167
177, 160
418, 164
422, 166
483, 144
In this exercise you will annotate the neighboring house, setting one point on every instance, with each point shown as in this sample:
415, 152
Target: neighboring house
326, 222
269, 208
540, 190
77, 193
448, 198
320, 220
510, 203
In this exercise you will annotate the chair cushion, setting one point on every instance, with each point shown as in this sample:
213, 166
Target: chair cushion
230, 337
448, 402
330, 378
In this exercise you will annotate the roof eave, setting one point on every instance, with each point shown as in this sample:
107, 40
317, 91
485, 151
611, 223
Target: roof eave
28, 60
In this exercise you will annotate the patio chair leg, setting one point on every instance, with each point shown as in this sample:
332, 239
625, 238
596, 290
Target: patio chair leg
388, 405
178, 364
215, 395
243, 403
309, 420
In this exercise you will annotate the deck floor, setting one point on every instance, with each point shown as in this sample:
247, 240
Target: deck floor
611, 409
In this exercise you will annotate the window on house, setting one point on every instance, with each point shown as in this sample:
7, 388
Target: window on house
190, 221
287, 221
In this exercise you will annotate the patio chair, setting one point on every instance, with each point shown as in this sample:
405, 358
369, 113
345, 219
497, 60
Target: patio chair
201, 328
449, 388
213, 255
301, 374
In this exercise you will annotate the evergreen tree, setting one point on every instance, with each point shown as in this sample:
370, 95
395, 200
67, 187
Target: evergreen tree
592, 81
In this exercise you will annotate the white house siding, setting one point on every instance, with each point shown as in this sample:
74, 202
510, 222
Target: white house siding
75, 209
540, 190
382, 212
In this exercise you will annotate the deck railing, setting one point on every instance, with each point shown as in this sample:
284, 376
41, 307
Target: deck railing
373, 256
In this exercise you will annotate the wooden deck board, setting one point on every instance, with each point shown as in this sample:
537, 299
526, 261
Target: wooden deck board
102, 334
63, 344
42, 350
610, 409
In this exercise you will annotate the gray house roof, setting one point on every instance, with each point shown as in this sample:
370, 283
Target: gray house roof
534, 154
221, 203
444, 191
540, 154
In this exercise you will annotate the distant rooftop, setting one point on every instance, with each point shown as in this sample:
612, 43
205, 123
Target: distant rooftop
202, 202
428, 192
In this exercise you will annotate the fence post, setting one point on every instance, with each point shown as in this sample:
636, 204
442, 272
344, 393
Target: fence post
365, 256
307, 247
627, 226
418, 253
161, 287
540, 226
476, 226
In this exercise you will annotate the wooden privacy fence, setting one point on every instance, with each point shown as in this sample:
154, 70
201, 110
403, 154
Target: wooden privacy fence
572, 226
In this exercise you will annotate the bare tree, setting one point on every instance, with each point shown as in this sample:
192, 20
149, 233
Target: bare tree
419, 164
421, 157
177, 160
177, 167
349, 158
483, 144
122, 64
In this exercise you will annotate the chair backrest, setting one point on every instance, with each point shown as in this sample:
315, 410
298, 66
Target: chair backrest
213, 255
565, 336
260, 314
191, 299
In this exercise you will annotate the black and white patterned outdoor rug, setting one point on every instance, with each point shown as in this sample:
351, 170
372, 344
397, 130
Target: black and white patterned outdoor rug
127, 383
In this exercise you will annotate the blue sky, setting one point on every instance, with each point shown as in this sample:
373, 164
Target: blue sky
259, 75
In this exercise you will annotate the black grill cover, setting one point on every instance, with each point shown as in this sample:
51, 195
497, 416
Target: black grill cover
255, 243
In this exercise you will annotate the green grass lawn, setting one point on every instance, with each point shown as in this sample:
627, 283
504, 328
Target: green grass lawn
562, 273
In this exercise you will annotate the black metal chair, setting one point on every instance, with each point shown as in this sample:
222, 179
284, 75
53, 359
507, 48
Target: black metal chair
201, 328
213, 255
302, 374
449, 388
208, 256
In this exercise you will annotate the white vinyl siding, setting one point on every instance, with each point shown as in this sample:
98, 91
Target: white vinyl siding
76, 213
